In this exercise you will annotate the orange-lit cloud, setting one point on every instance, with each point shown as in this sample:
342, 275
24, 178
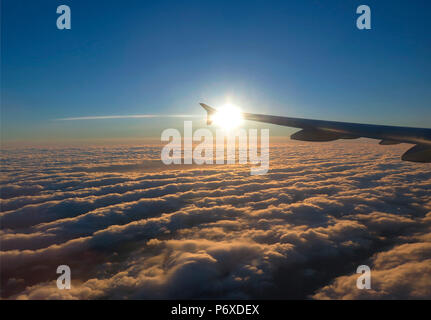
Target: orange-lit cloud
132, 230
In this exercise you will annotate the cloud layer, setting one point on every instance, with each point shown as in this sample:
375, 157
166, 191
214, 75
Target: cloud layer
130, 227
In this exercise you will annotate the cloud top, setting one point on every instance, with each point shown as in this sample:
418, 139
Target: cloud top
129, 229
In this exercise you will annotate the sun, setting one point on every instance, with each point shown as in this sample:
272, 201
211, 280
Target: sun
228, 117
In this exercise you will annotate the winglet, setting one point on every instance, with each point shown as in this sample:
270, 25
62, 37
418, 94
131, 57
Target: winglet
210, 111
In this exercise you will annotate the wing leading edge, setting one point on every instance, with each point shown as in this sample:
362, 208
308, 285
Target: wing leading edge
320, 130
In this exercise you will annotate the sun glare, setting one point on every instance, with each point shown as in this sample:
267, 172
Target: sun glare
228, 117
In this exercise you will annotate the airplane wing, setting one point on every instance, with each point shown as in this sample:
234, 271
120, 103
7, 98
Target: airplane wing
319, 131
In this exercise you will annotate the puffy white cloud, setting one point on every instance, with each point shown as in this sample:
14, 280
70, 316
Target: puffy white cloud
130, 227
404, 272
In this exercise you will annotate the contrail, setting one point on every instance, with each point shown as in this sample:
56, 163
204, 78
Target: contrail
133, 116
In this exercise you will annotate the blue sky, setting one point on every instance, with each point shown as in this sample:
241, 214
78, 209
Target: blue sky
293, 58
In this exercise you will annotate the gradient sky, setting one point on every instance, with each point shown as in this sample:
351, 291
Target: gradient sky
293, 58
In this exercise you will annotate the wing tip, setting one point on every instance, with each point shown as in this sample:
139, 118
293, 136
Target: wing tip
210, 111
